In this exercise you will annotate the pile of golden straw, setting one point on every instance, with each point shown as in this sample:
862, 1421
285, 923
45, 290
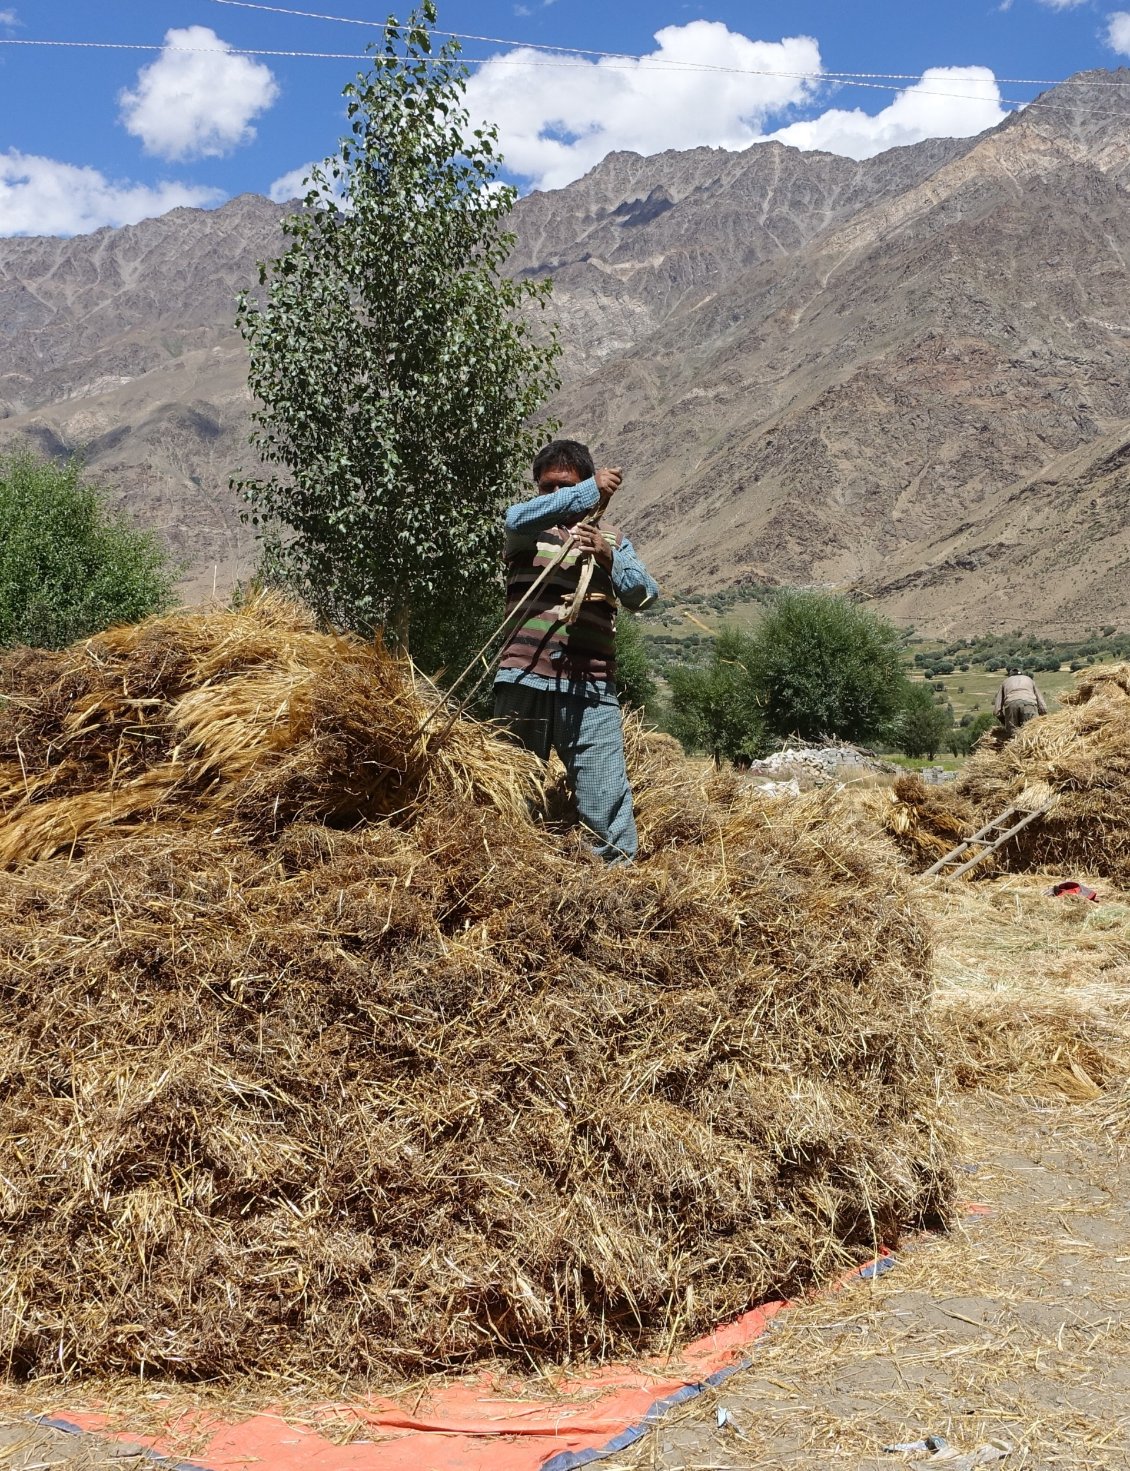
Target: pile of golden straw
321, 1057
1078, 759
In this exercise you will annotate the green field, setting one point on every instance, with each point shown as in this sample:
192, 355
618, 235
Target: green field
975, 690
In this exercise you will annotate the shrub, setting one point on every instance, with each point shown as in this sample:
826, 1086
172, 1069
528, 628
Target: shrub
633, 666
69, 565
716, 708
824, 667
923, 724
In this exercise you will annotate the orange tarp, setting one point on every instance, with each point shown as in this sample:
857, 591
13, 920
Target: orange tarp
470, 1424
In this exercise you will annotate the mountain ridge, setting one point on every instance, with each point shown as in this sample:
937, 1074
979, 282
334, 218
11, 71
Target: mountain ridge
815, 370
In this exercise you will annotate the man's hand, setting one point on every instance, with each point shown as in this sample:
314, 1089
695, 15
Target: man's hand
591, 541
608, 482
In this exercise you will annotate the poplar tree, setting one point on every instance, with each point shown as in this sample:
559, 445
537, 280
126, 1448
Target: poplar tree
397, 369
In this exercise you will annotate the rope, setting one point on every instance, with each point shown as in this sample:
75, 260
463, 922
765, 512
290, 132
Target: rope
590, 520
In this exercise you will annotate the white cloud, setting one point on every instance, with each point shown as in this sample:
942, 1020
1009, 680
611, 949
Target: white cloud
1062, 4
555, 122
948, 102
9, 18
197, 103
1118, 32
292, 185
39, 196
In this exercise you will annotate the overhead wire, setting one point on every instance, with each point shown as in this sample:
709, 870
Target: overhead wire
631, 56
666, 64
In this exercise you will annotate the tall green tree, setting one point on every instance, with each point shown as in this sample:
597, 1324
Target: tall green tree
70, 565
923, 723
825, 667
396, 370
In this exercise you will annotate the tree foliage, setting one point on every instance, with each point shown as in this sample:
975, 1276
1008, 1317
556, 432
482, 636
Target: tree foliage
717, 708
633, 666
825, 667
962, 738
396, 372
815, 667
923, 724
69, 565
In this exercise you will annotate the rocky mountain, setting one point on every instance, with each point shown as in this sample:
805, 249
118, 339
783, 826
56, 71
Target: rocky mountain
121, 345
907, 376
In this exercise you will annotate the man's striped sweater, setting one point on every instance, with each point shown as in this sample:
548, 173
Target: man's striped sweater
544, 649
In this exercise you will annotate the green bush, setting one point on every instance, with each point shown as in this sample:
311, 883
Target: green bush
923, 724
633, 667
824, 667
69, 565
962, 738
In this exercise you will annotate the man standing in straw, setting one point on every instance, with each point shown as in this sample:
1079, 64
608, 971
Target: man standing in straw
566, 571
1018, 701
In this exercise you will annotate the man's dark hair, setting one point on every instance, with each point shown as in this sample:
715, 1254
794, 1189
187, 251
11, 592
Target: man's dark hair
564, 454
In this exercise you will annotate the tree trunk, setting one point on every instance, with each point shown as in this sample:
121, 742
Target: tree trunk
397, 627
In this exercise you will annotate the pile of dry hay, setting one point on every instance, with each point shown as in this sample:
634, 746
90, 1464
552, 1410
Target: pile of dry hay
286, 1090
1079, 758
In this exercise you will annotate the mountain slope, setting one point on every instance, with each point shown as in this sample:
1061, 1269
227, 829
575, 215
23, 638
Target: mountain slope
812, 369
813, 418
1052, 552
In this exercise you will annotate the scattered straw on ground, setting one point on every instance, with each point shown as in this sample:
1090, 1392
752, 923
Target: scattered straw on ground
1014, 1328
1033, 992
321, 1058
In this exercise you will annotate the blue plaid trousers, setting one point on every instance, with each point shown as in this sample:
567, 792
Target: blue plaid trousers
585, 731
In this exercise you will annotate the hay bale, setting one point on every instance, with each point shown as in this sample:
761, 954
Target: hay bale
290, 1099
925, 821
249, 716
1077, 759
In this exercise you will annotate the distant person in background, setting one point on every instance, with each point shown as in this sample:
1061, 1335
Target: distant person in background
1018, 701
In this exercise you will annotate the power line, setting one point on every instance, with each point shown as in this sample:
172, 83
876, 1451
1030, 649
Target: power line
191, 50
668, 61
566, 64
225, 50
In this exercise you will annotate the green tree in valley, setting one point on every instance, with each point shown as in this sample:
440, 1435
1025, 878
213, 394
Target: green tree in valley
396, 371
962, 738
824, 667
633, 666
717, 708
923, 724
69, 565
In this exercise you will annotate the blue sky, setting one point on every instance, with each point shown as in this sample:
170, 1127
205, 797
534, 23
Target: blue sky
97, 136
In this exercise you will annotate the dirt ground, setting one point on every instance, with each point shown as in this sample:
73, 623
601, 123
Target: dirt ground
1011, 1332
1015, 1329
